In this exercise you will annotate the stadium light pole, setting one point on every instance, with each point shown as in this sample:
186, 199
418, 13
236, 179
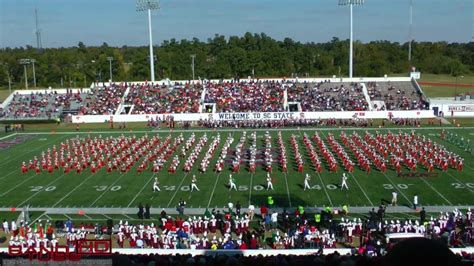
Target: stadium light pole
149, 5
410, 32
34, 72
110, 58
350, 3
25, 62
193, 56
456, 87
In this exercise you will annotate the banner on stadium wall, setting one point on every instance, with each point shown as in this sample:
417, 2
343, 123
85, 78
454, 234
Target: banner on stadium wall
252, 116
461, 108
255, 116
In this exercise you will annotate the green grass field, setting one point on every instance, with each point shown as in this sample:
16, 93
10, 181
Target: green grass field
441, 78
444, 91
128, 190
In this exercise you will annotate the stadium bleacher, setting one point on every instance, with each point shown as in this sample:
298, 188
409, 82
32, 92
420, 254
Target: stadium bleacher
158, 99
226, 96
396, 96
246, 96
328, 96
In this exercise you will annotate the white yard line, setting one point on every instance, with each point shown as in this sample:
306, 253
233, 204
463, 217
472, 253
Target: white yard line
177, 189
396, 187
363, 191
9, 174
190, 149
46, 186
6, 162
250, 188
107, 190
218, 176
355, 179
39, 218
321, 179
437, 192
288, 190
6, 137
19, 184
213, 189
32, 150
324, 188
70, 192
460, 182
67, 216
453, 145
141, 190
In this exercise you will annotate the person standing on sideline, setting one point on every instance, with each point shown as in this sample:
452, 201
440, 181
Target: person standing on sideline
6, 227
344, 182
156, 185
140, 211
193, 184
306, 182
422, 215
415, 201
269, 182
181, 206
394, 198
232, 183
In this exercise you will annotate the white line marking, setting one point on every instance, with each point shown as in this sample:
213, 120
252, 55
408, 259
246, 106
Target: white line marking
324, 187
5, 162
107, 190
39, 217
177, 189
427, 183
250, 189
32, 196
218, 176
213, 189
287, 189
459, 182
9, 174
363, 191
6, 137
70, 192
19, 184
141, 190
396, 187
32, 150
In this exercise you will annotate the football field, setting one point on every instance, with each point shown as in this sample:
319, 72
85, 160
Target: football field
128, 189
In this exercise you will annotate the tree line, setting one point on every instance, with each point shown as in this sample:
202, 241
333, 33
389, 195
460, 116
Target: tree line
255, 55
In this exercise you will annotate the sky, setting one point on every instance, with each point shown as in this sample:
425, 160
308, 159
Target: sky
64, 23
